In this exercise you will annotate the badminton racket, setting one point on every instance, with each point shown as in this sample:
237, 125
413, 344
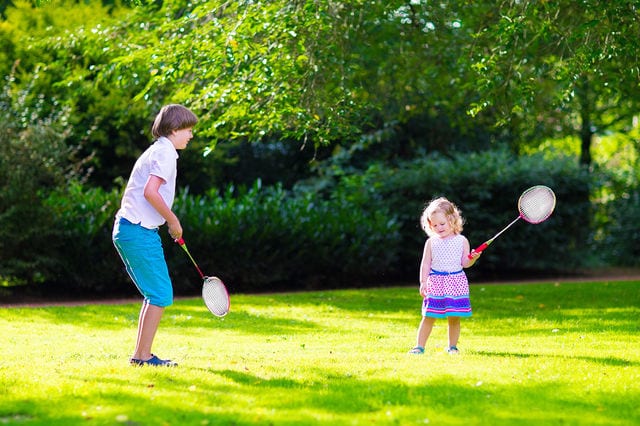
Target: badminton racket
214, 292
535, 205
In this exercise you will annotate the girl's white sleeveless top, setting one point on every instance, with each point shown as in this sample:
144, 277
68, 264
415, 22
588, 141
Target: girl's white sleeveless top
446, 253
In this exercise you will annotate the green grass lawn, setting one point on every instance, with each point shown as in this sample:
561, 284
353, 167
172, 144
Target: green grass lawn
539, 354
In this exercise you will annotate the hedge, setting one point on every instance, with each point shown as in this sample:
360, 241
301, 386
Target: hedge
363, 229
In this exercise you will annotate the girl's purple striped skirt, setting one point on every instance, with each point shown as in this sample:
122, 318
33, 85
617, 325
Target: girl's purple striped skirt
447, 295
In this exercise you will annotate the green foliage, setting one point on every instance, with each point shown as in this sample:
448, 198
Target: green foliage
358, 228
33, 162
88, 260
558, 68
616, 210
57, 52
618, 239
256, 238
486, 186
259, 238
307, 72
263, 74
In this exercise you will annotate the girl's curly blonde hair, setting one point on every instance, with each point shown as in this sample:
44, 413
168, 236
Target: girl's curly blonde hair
446, 207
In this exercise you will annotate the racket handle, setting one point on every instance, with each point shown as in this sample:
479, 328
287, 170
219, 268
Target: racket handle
480, 248
186, 250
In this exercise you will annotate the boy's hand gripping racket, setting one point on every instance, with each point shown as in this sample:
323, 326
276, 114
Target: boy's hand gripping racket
214, 292
535, 205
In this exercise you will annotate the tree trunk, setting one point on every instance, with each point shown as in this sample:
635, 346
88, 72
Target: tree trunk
586, 131
585, 144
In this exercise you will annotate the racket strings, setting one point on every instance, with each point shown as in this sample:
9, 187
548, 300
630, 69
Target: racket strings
537, 204
215, 296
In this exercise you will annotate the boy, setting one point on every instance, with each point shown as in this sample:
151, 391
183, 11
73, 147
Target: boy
146, 205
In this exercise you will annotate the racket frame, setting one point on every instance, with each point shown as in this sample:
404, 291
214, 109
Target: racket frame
486, 244
219, 288
181, 243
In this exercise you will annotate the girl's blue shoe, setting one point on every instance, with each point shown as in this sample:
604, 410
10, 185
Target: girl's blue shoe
418, 350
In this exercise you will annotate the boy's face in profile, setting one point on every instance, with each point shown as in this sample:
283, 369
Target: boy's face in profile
181, 138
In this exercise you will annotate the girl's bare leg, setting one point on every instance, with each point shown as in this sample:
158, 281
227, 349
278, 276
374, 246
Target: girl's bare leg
454, 330
424, 330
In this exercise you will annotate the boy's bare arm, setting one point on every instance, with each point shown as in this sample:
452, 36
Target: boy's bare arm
152, 195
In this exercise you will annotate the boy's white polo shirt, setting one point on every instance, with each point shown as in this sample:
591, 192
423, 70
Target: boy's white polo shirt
160, 159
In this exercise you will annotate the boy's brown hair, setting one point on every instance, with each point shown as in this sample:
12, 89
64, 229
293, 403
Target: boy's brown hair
172, 117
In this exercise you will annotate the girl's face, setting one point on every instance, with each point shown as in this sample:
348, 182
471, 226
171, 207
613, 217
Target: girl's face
439, 223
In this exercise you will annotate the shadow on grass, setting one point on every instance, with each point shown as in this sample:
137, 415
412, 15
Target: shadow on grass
233, 397
245, 310
376, 300
251, 399
589, 307
612, 361
517, 300
542, 322
189, 315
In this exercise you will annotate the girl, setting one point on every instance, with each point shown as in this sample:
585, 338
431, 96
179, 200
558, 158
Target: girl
146, 205
443, 283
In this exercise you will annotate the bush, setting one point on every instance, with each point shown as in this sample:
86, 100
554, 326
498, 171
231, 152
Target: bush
619, 245
87, 259
257, 239
486, 186
264, 238
363, 229
33, 162
616, 215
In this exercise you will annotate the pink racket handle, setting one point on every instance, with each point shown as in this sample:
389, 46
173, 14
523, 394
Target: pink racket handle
480, 248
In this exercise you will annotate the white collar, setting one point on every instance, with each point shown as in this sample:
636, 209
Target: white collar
166, 141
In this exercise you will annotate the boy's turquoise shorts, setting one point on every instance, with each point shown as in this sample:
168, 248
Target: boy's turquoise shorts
141, 251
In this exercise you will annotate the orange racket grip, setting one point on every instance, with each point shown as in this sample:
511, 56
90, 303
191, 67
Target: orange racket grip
480, 248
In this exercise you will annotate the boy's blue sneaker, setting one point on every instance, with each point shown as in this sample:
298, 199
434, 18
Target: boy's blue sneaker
154, 361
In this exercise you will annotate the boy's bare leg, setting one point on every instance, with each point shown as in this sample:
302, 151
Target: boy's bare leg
148, 322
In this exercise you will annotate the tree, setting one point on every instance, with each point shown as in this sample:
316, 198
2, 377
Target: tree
33, 162
320, 72
562, 67
315, 71
308, 73
52, 52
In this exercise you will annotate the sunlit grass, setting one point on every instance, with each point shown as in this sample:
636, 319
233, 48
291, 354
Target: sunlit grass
531, 354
